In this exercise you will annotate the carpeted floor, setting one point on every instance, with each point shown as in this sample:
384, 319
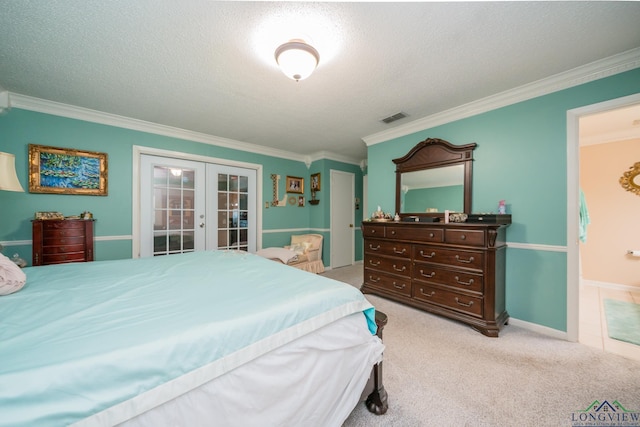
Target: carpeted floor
623, 320
439, 372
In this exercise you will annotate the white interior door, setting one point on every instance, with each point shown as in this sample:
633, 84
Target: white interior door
342, 218
172, 200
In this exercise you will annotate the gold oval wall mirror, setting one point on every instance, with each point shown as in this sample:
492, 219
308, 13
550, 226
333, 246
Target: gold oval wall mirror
630, 180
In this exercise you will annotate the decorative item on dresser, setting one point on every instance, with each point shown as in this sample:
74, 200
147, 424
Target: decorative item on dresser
454, 269
57, 241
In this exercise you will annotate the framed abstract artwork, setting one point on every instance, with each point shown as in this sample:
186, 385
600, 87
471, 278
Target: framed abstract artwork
67, 171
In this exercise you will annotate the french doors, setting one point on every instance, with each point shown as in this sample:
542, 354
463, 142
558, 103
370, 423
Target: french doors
188, 206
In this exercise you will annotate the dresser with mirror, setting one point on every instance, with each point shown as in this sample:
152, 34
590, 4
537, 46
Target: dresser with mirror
452, 269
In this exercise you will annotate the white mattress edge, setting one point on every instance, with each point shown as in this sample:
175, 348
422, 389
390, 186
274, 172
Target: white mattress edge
143, 402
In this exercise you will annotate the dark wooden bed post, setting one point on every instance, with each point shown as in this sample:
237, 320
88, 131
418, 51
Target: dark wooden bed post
377, 401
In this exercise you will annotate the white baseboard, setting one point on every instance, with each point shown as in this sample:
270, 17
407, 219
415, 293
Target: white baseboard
544, 330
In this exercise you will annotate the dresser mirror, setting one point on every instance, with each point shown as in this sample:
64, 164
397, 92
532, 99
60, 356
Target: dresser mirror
432, 177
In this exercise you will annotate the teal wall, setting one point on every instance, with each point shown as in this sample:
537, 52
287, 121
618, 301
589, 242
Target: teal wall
522, 158
18, 128
442, 198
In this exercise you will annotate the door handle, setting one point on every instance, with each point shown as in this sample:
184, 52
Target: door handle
350, 225
202, 225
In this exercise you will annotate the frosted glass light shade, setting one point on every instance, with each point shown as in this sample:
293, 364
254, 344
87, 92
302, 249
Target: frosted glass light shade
8, 177
297, 59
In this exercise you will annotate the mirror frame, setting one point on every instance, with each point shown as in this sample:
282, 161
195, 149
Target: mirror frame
628, 179
435, 153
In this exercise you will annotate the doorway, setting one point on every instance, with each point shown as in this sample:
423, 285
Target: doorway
184, 203
586, 321
342, 213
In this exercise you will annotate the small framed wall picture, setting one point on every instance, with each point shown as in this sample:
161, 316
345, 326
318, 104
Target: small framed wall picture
301, 201
315, 182
295, 185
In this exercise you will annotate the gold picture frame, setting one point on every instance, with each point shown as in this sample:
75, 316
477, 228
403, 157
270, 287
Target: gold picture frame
295, 185
315, 182
67, 171
630, 180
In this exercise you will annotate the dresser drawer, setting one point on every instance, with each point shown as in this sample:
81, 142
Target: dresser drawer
373, 230
451, 300
453, 257
62, 258
63, 232
434, 235
63, 224
382, 247
465, 237
398, 266
63, 241
64, 249
430, 273
399, 285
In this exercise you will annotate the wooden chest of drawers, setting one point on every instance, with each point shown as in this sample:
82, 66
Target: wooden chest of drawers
456, 270
61, 241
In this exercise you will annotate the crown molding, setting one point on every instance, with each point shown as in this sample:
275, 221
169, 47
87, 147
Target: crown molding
70, 111
606, 67
327, 155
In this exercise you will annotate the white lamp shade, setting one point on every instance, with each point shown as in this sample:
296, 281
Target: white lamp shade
297, 59
8, 177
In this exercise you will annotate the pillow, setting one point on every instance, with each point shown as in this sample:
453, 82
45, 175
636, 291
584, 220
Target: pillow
299, 248
12, 279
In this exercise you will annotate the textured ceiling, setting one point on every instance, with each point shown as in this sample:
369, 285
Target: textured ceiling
208, 66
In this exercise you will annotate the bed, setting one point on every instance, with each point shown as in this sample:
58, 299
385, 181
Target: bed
206, 338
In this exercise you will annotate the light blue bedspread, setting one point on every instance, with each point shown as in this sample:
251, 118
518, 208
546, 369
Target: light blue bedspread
80, 338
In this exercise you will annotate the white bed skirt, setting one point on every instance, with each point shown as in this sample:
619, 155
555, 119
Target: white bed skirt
315, 380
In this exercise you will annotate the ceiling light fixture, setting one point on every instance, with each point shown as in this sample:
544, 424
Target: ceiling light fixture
297, 59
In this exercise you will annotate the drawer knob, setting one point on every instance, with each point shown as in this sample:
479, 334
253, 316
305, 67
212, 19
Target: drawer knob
465, 261
404, 267
469, 283
430, 294
422, 254
428, 275
463, 237
374, 263
404, 250
431, 235
468, 304
393, 232
372, 248
395, 285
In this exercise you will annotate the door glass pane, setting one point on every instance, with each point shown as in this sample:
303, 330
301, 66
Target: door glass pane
222, 200
244, 184
222, 238
233, 183
222, 182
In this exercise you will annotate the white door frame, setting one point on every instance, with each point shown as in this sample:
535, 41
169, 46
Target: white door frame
138, 150
335, 232
573, 203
